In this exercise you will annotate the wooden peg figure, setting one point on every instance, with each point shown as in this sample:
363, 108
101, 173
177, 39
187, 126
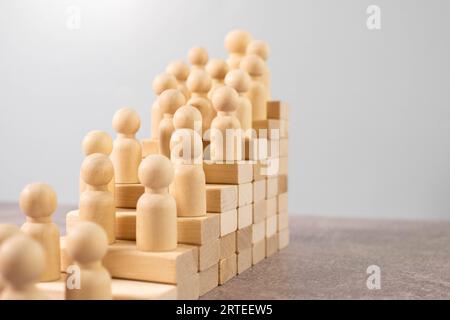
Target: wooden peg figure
236, 42
97, 142
226, 136
199, 83
97, 202
261, 49
198, 58
188, 117
217, 70
22, 262
189, 184
127, 152
257, 93
6, 231
180, 70
38, 201
86, 245
169, 101
161, 83
156, 212
240, 81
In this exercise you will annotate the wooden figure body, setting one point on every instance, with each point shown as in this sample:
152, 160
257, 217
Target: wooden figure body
257, 93
6, 231
240, 81
199, 83
180, 71
97, 202
22, 262
169, 101
217, 70
127, 151
226, 138
156, 212
236, 42
97, 142
38, 201
261, 49
161, 83
86, 245
198, 58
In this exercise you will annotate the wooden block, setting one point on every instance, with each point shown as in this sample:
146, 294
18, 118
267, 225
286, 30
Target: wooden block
189, 289
244, 239
256, 148
245, 194
224, 173
227, 245
271, 207
259, 190
265, 168
149, 146
271, 187
208, 254
271, 225
124, 261
269, 128
221, 197
258, 251
198, 230
245, 216
257, 172
282, 203
259, 211
283, 239
283, 165
128, 194
277, 110
283, 221
283, 150
282, 183
271, 245
228, 222
258, 231
209, 279
284, 129
227, 268
244, 260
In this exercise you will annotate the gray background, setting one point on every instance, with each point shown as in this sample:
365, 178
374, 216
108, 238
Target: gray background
370, 114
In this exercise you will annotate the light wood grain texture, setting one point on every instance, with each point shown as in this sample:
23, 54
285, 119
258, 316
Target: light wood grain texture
283, 239
189, 288
245, 216
271, 245
259, 190
271, 225
283, 166
228, 222
259, 211
245, 194
257, 93
227, 245
277, 110
236, 43
255, 148
240, 81
261, 49
282, 203
199, 230
268, 125
221, 197
283, 150
271, 205
169, 101
283, 221
233, 173
258, 170
244, 239
208, 254
258, 251
128, 194
258, 231
227, 268
244, 260
149, 146
271, 187
209, 279
282, 183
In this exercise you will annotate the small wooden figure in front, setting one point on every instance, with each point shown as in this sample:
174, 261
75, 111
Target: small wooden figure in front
22, 262
38, 201
156, 212
6, 231
257, 93
97, 202
236, 42
161, 83
169, 101
180, 70
198, 58
87, 279
199, 83
127, 151
217, 70
226, 133
261, 49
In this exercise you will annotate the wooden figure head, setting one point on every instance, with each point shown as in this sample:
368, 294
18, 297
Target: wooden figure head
225, 99
259, 48
97, 170
179, 69
237, 40
170, 100
198, 57
187, 117
253, 64
199, 81
163, 82
156, 172
97, 142
239, 80
126, 121
87, 242
38, 200
217, 69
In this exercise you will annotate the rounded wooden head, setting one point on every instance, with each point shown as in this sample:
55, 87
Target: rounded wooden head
198, 56
38, 200
7, 231
237, 40
239, 80
97, 142
199, 81
126, 121
163, 82
22, 260
97, 169
156, 172
217, 68
179, 69
189, 146
225, 99
253, 64
260, 48
87, 242
187, 117
170, 100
